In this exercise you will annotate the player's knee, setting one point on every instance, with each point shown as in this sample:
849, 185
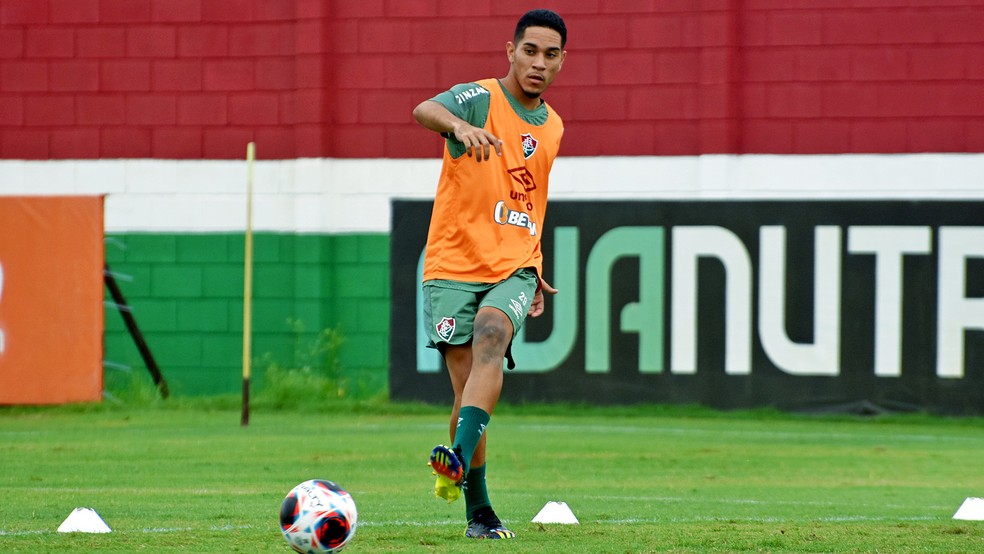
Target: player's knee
492, 331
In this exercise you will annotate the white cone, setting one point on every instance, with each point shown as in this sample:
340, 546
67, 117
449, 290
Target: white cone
83, 520
972, 509
555, 512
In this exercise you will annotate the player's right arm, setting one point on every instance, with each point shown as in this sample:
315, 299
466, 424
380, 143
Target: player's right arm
435, 116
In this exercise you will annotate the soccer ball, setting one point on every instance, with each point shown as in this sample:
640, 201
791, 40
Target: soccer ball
318, 517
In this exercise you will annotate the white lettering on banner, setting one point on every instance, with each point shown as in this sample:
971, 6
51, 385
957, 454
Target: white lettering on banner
956, 313
1, 298
690, 244
823, 356
889, 244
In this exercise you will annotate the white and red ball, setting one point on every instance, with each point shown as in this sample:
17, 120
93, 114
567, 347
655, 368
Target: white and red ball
318, 517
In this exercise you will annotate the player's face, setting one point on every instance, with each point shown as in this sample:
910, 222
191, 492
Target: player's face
536, 59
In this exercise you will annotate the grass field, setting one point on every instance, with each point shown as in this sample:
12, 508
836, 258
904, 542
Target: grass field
185, 476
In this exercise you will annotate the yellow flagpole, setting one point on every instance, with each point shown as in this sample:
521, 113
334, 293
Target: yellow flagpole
248, 282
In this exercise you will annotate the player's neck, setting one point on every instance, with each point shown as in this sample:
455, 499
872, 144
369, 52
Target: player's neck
512, 87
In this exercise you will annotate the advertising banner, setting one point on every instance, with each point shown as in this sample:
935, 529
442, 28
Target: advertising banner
51, 299
854, 306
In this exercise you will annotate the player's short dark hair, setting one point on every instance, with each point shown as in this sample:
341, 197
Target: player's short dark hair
541, 18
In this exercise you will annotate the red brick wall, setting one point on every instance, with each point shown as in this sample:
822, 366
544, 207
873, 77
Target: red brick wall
338, 78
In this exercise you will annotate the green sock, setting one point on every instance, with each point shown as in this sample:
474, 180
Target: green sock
471, 426
476, 495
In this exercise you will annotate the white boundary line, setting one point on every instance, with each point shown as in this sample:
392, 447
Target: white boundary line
617, 521
752, 501
4, 533
801, 435
621, 521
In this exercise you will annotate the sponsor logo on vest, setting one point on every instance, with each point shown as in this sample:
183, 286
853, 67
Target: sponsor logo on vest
505, 216
522, 197
523, 176
529, 145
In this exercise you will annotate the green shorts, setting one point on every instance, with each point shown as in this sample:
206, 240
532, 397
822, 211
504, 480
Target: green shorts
450, 306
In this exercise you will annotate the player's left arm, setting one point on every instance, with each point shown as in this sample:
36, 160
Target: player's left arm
536, 307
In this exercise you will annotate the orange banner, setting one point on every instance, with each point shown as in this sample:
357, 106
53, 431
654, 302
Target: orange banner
51, 299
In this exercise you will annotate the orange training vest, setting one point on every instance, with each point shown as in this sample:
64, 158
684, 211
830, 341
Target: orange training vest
488, 216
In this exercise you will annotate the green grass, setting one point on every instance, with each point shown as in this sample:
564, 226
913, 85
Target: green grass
185, 476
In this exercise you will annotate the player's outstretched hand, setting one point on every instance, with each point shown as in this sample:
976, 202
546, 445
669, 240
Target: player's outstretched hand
478, 142
536, 308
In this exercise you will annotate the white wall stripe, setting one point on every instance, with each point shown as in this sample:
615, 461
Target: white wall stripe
327, 195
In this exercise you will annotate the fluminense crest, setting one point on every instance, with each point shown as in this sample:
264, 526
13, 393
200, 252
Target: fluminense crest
529, 145
445, 328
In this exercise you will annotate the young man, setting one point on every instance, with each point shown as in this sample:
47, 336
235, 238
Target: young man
483, 268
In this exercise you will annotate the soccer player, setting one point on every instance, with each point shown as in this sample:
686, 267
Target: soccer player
483, 268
